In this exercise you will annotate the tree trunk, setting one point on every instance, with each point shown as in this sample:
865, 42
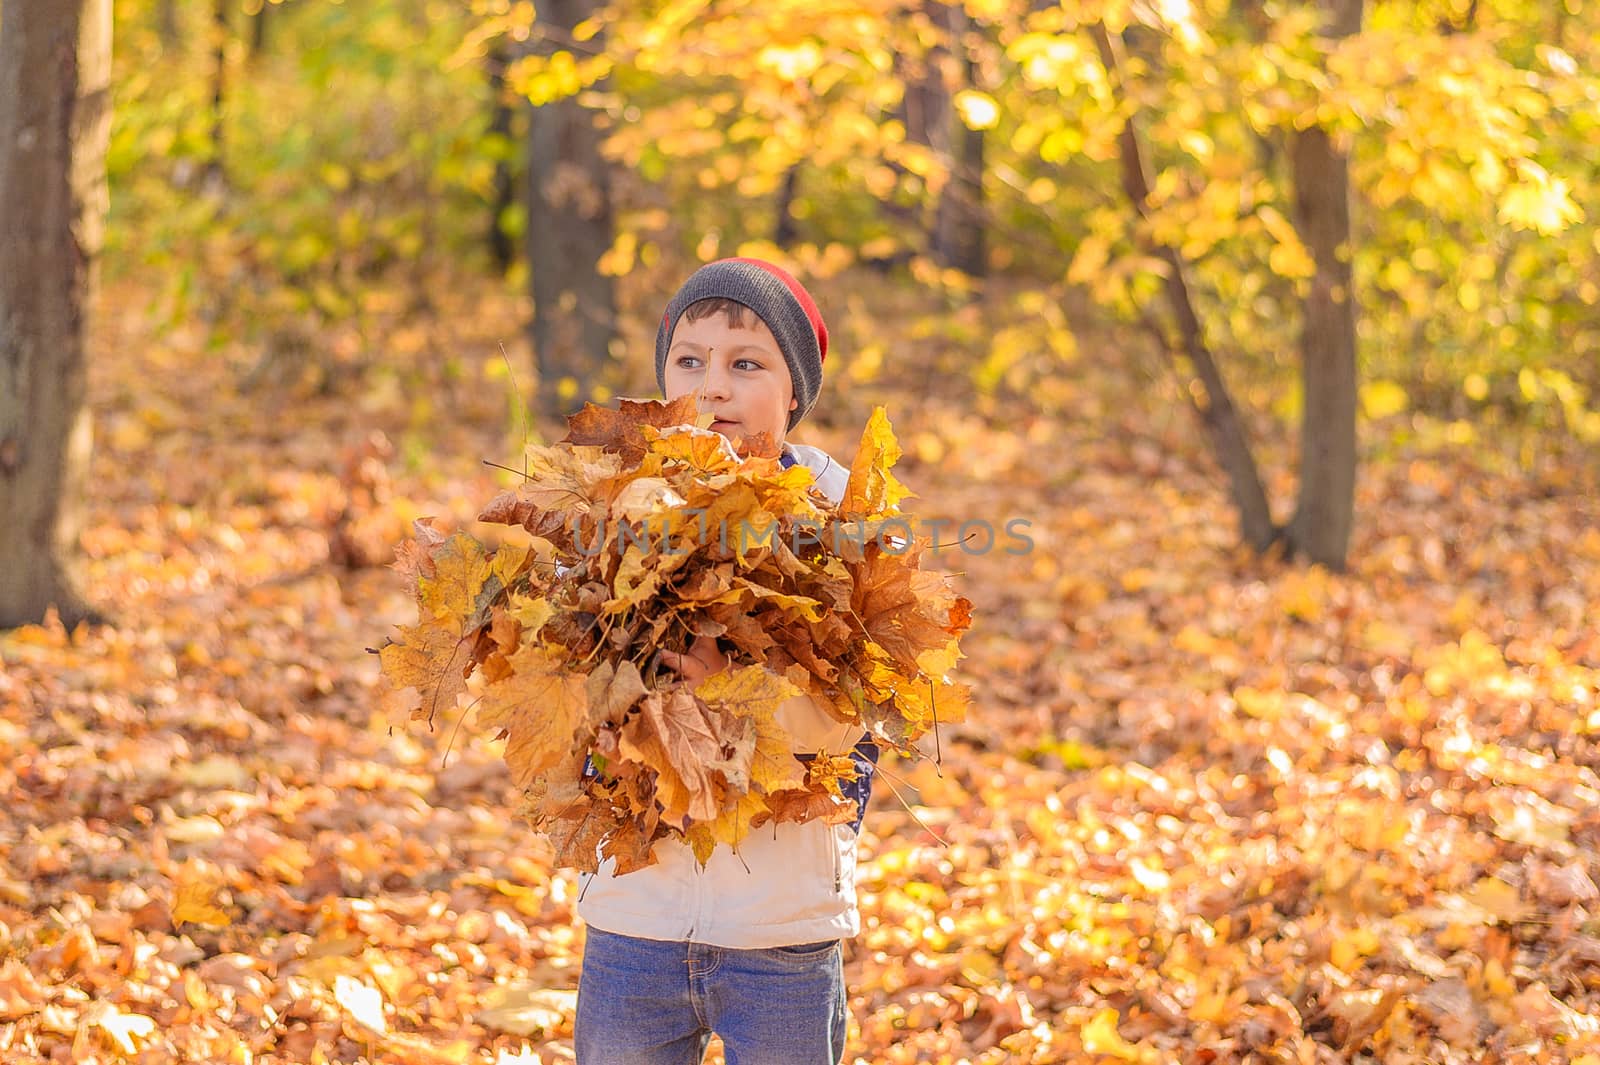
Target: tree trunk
1321, 525
216, 170
258, 30
501, 249
958, 233
569, 229
784, 232
167, 25
1214, 406
55, 117
927, 114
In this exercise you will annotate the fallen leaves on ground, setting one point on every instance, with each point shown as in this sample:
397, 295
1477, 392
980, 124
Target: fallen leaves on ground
1218, 810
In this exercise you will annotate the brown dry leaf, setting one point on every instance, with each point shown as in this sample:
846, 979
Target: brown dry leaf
905, 611
612, 692
559, 480
807, 805
629, 845
1359, 1013
739, 739
577, 835
413, 559
621, 429
1449, 1006
679, 737
754, 693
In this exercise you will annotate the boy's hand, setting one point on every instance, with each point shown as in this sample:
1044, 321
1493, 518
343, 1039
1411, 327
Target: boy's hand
702, 659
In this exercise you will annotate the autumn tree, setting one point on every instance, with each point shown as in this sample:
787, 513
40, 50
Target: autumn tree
569, 227
1321, 524
221, 34
55, 69
959, 233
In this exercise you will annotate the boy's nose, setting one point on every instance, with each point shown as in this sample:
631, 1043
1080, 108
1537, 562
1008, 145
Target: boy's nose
716, 383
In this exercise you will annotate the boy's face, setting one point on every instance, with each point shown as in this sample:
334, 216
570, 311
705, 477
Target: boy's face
739, 374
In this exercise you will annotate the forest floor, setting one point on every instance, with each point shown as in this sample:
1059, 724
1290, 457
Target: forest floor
1207, 808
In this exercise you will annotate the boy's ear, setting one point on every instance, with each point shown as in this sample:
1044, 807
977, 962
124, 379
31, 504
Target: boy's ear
794, 402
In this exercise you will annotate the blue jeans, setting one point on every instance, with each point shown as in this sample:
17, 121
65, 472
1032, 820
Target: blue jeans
648, 1002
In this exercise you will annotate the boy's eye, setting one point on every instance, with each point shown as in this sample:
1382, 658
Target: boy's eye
687, 361
748, 364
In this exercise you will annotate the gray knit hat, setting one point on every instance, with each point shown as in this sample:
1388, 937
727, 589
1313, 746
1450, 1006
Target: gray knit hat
778, 300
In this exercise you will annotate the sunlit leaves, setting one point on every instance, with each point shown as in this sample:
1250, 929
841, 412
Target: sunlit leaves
978, 110
873, 491
1539, 202
664, 534
196, 900
539, 706
433, 657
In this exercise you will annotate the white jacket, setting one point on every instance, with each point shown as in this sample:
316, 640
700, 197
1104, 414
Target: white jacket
787, 884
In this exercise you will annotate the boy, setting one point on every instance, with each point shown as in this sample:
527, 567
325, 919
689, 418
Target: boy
750, 946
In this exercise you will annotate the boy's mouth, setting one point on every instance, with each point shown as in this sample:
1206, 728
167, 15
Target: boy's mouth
720, 425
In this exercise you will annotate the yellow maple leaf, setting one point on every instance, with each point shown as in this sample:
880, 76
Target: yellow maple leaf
451, 593
735, 518
730, 826
755, 692
803, 605
788, 492
195, 901
827, 770
925, 703
530, 612
431, 657
509, 562
540, 706
637, 578
873, 491
937, 661
1100, 1036
701, 450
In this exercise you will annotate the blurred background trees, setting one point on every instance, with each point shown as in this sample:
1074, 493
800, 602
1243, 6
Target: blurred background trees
1301, 216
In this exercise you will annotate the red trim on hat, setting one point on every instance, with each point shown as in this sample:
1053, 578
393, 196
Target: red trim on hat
807, 304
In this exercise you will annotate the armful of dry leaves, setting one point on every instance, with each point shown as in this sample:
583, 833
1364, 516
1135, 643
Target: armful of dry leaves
647, 532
